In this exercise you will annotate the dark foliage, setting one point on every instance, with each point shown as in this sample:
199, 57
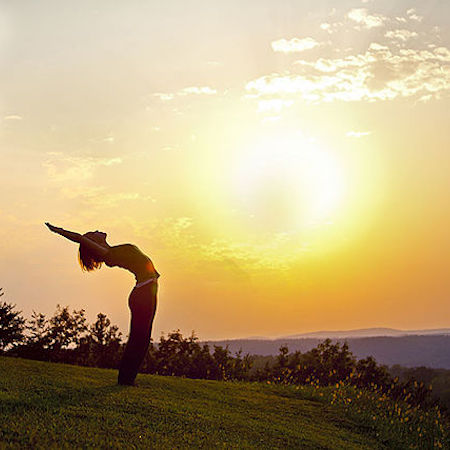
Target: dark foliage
185, 357
439, 379
12, 325
328, 364
66, 337
102, 345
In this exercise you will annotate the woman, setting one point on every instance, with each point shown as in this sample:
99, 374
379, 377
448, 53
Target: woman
94, 250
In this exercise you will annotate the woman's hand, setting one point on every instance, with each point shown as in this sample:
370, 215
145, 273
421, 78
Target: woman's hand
53, 228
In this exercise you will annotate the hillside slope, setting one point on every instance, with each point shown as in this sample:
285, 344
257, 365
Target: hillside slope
56, 405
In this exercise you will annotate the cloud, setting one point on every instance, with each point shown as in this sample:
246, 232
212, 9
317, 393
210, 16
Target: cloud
191, 90
400, 35
193, 249
98, 197
330, 27
165, 97
294, 45
357, 134
380, 73
13, 117
364, 19
169, 148
62, 168
254, 256
412, 15
195, 90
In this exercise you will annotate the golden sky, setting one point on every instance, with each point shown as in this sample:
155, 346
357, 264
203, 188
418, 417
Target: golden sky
285, 164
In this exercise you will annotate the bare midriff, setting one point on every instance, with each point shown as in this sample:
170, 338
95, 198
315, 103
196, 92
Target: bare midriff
147, 273
129, 257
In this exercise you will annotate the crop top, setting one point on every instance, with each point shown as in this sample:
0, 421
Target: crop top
129, 257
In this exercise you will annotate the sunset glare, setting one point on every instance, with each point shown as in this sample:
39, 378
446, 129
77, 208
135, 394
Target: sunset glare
284, 164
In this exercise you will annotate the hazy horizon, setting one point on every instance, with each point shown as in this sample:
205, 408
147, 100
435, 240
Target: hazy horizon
284, 164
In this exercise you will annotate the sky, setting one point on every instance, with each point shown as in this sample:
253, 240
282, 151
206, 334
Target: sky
283, 163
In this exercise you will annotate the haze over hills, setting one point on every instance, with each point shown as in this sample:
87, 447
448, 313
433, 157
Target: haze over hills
409, 348
370, 332
360, 332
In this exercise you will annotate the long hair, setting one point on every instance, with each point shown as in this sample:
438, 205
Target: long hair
88, 261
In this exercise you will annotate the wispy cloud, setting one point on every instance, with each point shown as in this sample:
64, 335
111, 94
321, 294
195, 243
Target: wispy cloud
62, 168
400, 35
13, 117
191, 90
379, 73
197, 90
164, 96
294, 45
394, 64
252, 255
331, 27
99, 197
366, 20
412, 15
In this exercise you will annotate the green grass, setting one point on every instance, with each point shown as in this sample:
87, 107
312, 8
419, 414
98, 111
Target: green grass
46, 405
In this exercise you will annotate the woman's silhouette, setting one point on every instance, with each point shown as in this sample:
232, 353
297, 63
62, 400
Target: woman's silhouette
94, 250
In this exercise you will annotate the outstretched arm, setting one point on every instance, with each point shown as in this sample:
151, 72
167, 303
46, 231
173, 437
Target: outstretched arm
100, 250
72, 236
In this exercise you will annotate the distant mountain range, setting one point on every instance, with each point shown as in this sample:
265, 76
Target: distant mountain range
409, 348
369, 332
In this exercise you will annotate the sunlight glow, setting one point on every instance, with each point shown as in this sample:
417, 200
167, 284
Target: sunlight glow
289, 181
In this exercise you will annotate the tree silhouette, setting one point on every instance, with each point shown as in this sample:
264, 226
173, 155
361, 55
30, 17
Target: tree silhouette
102, 346
12, 325
65, 331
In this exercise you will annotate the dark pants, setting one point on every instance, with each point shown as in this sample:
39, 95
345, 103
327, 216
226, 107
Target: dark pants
142, 303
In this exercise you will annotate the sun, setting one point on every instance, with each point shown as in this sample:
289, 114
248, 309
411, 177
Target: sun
289, 182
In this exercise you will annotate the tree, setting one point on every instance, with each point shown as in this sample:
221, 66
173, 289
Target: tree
174, 355
101, 347
368, 373
12, 325
38, 330
103, 333
65, 331
36, 342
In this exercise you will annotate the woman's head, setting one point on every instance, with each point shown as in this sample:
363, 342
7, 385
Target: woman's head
88, 260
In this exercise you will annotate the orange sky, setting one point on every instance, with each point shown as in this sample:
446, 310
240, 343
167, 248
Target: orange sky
286, 168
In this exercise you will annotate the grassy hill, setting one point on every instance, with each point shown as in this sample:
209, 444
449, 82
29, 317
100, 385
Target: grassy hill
56, 405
